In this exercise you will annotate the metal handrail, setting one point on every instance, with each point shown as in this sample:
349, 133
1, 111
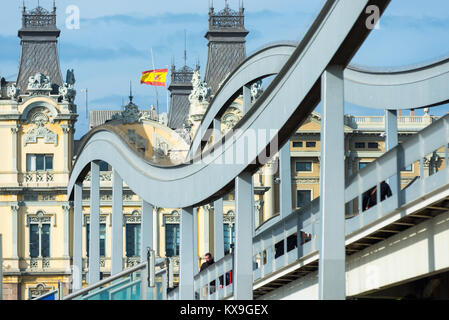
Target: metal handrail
112, 278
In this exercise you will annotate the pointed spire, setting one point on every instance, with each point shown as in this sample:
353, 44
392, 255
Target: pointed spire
54, 6
185, 47
130, 92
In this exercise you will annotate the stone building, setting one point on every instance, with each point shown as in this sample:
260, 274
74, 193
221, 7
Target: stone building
37, 117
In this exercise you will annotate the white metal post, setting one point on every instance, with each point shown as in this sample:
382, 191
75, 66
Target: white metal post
186, 255
243, 263
332, 283
94, 241
77, 238
117, 224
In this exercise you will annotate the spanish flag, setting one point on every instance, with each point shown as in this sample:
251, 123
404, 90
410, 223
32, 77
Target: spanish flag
154, 77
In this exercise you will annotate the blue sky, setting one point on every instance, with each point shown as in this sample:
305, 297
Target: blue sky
114, 41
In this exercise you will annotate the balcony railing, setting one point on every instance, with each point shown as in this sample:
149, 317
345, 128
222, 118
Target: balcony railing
378, 122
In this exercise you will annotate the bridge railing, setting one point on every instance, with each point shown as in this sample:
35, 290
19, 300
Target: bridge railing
131, 284
215, 282
277, 246
420, 148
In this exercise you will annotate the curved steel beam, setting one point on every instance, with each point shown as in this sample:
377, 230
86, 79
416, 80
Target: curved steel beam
334, 38
399, 88
265, 62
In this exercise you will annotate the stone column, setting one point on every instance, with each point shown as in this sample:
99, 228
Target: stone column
207, 209
66, 130
14, 131
269, 198
15, 230
66, 208
258, 210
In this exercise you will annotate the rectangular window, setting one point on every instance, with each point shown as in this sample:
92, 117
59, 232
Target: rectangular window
229, 237
171, 240
303, 198
297, 144
310, 144
409, 168
102, 239
104, 166
39, 162
360, 145
39, 240
34, 240
133, 240
362, 165
303, 166
373, 145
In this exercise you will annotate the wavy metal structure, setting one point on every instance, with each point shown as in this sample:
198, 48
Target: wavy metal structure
315, 70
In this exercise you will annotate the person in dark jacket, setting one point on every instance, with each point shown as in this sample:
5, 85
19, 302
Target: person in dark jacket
370, 197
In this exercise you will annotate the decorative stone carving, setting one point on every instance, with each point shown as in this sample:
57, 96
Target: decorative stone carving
41, 132
229, 217
256, 91
134, 217
132, 261
131, 114
40, 218
40, 118
70, 78
39, 84
38, 290
172, 218
229, 120
13, 92
200, 91
307, 180
67, 92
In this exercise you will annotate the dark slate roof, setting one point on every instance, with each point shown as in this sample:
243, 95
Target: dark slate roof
39, 47
179, 110
227, 45
180, 89
223, 58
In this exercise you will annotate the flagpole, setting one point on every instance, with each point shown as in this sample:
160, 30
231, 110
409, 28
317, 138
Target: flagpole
166, 87
157, 98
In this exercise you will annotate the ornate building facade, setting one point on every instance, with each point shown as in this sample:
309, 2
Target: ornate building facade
37, 117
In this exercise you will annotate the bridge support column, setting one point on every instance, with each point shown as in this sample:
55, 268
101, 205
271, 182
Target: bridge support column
146, 230
332, 279
243, 256
186, 255
217, 129
77, 272
246, 99
117, 224
94, 241
286, 180
391, 141
218, 230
